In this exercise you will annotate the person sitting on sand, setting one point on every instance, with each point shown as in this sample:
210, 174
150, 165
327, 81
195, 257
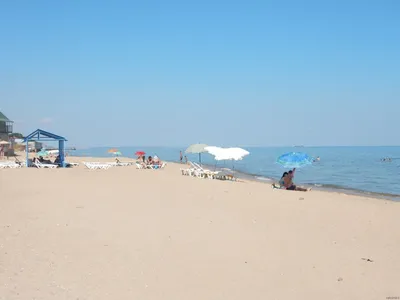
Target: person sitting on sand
150, 160
288, 182
282, 180
281, 183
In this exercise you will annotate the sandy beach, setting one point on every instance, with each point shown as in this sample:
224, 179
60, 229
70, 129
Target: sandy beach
125, 233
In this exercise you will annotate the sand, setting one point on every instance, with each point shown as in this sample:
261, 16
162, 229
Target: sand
125, 233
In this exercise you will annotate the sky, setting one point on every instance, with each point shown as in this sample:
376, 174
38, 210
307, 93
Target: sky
226, 73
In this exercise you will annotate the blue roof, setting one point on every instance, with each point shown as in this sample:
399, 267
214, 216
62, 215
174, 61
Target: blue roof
40, 134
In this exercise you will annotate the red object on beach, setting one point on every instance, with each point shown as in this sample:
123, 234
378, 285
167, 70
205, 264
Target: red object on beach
140, 153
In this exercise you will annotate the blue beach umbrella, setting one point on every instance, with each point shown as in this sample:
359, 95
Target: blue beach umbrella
294, 160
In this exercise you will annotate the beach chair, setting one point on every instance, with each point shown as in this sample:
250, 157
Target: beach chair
9, 165
15, 165
3, 165
196, 172
121, 164
204, 173
139, 166
188, 172
184, 172
192, 171
97, 165
40, 165
157, 166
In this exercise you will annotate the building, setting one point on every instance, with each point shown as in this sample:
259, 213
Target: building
6, 127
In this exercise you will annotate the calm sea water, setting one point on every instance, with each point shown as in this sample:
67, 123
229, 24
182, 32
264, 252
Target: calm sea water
357, 169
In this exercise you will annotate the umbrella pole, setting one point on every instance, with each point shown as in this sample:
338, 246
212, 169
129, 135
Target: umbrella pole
200, 158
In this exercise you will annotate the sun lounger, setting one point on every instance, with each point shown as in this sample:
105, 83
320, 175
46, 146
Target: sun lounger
156, 167
120, 164
188, 172
97, 165
225, 176
40, 165
9, 165
139, 166
194, 172
203, 173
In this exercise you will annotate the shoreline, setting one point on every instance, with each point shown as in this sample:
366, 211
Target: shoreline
318, 187
266, 180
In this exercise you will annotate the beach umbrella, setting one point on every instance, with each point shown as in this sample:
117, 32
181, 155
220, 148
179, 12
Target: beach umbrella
232, 154
114, 151
227, 153
294, 160
4, 143
197, 149
214, 150
140, 153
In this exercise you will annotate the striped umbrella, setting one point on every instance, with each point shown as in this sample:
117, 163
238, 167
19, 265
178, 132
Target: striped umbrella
115, 152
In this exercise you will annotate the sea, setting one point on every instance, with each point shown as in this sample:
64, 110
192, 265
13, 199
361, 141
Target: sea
353, 170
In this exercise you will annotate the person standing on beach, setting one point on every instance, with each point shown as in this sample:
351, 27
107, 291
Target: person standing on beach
181, 156
1, 151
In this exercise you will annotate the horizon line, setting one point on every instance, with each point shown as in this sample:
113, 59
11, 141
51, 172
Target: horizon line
184, 147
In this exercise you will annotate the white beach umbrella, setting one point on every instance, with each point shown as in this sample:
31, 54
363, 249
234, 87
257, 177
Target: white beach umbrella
231, 154
227, 153
213, 150
4, 143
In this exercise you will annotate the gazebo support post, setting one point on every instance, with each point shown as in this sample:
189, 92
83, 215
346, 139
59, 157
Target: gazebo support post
27, 153
61, 148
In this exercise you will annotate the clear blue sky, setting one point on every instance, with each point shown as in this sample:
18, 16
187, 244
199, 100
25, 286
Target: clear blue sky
255, 73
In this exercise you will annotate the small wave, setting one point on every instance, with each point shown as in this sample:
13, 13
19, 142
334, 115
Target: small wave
339, 188
263, 179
